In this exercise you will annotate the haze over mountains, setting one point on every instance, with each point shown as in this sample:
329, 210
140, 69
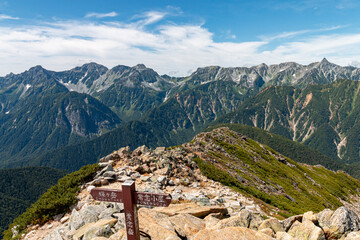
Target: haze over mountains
42, 110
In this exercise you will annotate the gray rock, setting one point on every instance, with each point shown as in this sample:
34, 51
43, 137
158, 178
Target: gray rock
343, 221
109, 174
54, 235
324, 217
145, 178
353, 236
102, 231
58, 217
161, 180
76, 220
306, 231
287, 223
108, 213
135, 175
124, 178
64, 219
121, 221
91, 213
89, 188
104, 164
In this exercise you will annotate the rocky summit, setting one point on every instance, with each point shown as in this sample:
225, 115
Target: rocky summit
219, 191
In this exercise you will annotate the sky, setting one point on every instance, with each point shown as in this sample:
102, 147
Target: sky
175, 37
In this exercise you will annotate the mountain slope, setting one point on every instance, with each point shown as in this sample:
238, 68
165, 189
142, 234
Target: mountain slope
293, 150
39, 114
131, 91
324, 117
250, 167
52, 121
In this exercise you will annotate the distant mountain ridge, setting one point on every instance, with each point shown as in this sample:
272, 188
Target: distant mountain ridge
42, 110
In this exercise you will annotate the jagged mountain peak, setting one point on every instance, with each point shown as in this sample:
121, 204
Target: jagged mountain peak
36, 68
140, 67
92, 66
324, 60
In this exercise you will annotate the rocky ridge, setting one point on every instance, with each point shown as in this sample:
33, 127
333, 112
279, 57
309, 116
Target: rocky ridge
201, 207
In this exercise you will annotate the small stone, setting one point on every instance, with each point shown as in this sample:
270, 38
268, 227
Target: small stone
145, 178
103, 164
89, 188
135, 175
109, 174
186, 182
104, 182
161, 180
64, 219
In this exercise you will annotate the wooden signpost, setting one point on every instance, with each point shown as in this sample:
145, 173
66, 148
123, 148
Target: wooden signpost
130, 198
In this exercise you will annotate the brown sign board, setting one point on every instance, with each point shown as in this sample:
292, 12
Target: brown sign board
141, 198
130, 198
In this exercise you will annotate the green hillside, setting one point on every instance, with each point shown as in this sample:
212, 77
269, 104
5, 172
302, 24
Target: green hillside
20, 187
257, 170
294, 150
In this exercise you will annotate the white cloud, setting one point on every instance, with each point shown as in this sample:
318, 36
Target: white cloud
7, 17
297, 33
167, 48
148, 18
101, 15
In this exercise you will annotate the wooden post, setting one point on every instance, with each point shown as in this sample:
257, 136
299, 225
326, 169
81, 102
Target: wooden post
130, 209
130, 198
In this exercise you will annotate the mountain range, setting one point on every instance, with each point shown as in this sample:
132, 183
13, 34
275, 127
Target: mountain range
43, 112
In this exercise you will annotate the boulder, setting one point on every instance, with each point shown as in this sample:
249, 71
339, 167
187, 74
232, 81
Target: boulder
119, 235
306, 231
54, 235
231, 233
344, 220
190, 208
211, 220
273, 224
287, 223
244, 219
157, 225
353, 236
188, 224
76, 220
91, 213
310, 216
324, 217
283, 236
89, 227
95, 232
268, 231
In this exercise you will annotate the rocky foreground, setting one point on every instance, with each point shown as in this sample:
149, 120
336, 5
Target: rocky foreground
201, 208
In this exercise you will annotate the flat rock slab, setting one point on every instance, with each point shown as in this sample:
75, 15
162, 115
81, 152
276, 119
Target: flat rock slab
78, 234
190, 208
157, 225
231, 233
187, 225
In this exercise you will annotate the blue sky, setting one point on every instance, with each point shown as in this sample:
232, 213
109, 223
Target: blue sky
176, 37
